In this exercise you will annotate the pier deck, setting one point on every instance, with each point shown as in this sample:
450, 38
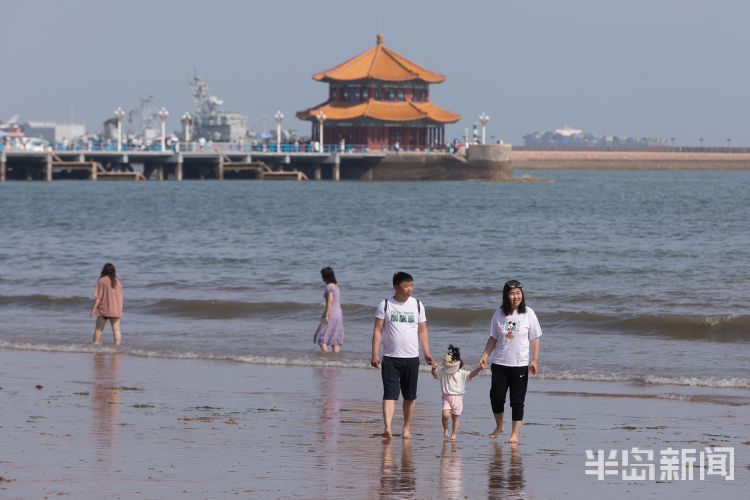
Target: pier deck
162, 165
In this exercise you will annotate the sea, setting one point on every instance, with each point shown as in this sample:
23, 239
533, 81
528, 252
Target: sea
636, 277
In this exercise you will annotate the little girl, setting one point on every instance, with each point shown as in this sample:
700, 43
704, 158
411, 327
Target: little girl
453, 383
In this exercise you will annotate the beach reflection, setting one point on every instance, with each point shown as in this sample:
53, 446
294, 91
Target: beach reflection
399, 481
506, 473
450, 471
105, 402
330, 419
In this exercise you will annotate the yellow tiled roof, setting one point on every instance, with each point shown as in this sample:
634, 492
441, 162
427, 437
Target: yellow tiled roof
392, 111
379, 63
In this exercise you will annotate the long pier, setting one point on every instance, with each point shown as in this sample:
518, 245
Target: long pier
170, 164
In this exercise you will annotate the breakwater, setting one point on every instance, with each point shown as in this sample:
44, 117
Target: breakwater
628, 158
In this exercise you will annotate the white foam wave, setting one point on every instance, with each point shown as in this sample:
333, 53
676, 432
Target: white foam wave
317, 361
728, 383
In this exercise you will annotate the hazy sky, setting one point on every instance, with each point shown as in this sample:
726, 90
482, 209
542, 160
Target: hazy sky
656, 68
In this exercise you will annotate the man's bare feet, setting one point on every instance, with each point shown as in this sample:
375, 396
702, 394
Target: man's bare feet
387, 434
446, 434
497, 432
513, 438
453, 437
407, 434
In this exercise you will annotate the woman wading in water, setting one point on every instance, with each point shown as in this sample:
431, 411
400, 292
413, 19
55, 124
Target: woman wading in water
107, 303
330, 332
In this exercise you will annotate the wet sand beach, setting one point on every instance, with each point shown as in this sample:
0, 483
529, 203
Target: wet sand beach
110, 425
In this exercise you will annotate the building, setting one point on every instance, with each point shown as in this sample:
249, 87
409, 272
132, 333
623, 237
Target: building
568, 136
54, 132
380, 98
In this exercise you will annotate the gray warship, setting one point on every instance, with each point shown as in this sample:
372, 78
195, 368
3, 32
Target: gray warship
209, 120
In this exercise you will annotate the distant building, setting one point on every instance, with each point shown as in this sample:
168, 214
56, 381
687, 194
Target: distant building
54, 132
567, 136
379, 97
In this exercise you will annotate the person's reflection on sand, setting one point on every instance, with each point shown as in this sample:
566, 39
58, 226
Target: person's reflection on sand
105, 401
397, 481
506, 479
450, 471
330, 421
330, 418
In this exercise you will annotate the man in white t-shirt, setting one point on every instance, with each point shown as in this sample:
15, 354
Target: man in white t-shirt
401, 324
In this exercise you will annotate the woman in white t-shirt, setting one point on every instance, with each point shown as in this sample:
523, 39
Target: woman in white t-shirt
513, 329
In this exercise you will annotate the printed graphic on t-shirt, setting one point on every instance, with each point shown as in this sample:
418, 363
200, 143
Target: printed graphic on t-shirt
402, 317
510, 327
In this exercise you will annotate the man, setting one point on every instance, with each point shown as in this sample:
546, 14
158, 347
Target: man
401, 324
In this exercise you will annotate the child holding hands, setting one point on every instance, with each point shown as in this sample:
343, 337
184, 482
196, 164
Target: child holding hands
453, 383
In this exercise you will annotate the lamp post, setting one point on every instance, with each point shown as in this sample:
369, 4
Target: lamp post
278, 116
186, 118
163, 114
701, 141
321, 118
671, 139
119, 113
729, 142
483, 119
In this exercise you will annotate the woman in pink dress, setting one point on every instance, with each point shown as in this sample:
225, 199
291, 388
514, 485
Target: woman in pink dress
107, 303
330, 332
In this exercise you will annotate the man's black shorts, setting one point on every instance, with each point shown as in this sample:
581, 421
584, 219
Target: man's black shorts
400, 373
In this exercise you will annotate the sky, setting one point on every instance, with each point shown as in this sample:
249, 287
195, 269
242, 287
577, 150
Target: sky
645, 68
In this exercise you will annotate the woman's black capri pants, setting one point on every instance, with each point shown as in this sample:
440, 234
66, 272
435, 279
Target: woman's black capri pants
514, 378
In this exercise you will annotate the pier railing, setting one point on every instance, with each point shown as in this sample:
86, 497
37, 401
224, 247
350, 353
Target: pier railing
219, 147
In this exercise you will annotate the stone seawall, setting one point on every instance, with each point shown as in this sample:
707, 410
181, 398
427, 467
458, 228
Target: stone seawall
483, 163
628, 160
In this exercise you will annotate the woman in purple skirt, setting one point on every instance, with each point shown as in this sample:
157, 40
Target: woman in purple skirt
330, 332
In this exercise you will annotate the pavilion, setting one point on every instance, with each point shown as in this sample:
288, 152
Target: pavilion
379, 99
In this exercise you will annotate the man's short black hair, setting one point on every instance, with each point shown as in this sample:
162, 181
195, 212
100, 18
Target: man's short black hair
401, 277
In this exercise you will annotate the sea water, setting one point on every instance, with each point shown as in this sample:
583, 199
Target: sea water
641, 277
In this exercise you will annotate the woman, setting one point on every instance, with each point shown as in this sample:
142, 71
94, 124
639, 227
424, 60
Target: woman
107, 303
514, 326
331, 328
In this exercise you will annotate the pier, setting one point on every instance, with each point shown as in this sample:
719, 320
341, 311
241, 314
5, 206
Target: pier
220, 162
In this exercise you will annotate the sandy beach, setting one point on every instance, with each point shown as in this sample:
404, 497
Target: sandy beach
110, 425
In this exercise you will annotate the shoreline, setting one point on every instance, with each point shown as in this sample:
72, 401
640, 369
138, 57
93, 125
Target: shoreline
130, 427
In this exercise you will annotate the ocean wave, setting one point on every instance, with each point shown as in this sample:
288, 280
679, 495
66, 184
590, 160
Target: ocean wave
733, 383
46, 301
720, 327
364, 363
221, 309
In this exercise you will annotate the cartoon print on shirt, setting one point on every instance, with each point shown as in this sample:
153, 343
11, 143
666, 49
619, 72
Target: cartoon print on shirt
510, 327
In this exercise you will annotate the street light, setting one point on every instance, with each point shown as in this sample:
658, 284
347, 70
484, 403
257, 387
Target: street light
701, 141
163, 114
278, 117
119, 113
186, 118
483, 119
321, 118
672, 140
729, 142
